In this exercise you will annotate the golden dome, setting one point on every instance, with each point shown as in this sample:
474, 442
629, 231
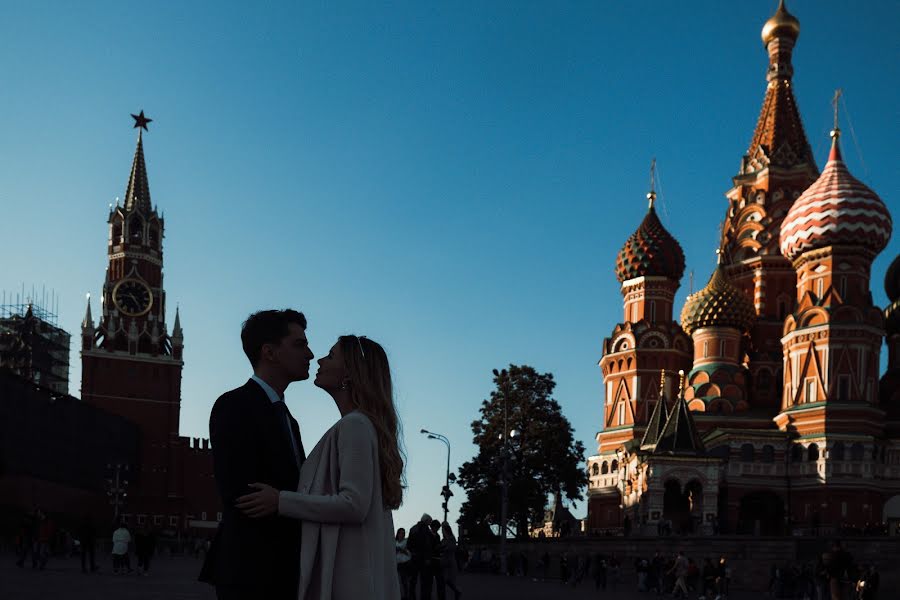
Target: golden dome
781, 24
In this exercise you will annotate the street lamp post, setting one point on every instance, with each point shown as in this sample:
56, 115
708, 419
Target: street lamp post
446, 493
117, 487
504, 481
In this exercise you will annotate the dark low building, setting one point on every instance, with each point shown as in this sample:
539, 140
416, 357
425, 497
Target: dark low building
55, 452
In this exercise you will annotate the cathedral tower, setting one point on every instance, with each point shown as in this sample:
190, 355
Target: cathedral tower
832, 341
648, 341
717, 318
778, 166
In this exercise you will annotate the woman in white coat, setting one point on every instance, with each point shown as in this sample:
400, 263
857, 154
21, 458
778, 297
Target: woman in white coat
349, 484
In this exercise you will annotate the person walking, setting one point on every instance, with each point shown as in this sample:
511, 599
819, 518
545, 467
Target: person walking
448, 559
434, 562
144, 546
421, 547
680, 570
403, 559
45, 530
24, 539
87, 537
121, 538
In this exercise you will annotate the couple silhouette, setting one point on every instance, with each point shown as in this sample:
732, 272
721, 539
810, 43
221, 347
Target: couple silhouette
298, 527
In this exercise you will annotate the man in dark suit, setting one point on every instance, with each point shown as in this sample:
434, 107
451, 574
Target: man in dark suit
255, 439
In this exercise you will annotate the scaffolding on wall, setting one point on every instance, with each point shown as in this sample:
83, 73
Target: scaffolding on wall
32, 345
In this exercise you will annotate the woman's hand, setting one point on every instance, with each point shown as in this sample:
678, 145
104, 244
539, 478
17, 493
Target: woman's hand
259, 504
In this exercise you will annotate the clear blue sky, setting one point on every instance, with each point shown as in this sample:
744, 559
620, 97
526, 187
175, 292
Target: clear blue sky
453, 180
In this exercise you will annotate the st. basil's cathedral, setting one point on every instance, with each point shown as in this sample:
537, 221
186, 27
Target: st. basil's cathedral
762, 410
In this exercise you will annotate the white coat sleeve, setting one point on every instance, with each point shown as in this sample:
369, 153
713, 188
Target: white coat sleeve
356, 447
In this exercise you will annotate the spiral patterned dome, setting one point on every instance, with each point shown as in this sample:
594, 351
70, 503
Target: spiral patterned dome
836, 209
719, 304
650, 251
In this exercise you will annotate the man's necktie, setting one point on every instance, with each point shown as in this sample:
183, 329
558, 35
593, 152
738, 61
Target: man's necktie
281, 407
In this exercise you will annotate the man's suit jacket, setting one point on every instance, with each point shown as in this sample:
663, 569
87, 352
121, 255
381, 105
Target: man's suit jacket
250, 444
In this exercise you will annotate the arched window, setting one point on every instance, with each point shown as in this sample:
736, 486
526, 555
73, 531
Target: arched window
117, 233
154, 236
837, 451
768, 454
747, 453
797, 453
812, 453
136, 229
615, 466
604, 469
857, 451
595, 469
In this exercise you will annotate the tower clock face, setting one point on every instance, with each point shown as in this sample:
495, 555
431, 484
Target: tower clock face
132, 297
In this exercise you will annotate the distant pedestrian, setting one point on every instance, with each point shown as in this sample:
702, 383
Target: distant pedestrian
434, 564
657, 572
680, 570
421, 546
121, 538
448, 558
24, 539
41, 549
144, 546
403, 558
564, 567
87, 538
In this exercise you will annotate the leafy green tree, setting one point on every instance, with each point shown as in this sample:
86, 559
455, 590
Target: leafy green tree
543, 457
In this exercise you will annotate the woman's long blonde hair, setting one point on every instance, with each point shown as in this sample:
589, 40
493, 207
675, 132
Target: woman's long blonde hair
372, 394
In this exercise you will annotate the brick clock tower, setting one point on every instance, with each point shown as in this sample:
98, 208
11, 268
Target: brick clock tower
132, 363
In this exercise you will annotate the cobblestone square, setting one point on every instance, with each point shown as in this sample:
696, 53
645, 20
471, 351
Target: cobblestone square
174, 578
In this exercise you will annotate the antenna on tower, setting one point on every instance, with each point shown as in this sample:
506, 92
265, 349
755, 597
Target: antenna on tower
834, 103
651, 195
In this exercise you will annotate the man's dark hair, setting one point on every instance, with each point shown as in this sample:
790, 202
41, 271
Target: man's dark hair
267, 327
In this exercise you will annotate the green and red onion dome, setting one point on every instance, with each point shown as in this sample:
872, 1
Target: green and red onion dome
719, 304
651, 251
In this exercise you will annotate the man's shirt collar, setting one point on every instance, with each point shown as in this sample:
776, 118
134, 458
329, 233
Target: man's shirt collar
271, 393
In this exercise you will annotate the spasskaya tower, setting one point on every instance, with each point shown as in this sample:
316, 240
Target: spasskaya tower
131, 362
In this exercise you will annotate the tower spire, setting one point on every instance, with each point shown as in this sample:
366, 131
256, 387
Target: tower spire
137, 194
88, 321
651, 195
176, 328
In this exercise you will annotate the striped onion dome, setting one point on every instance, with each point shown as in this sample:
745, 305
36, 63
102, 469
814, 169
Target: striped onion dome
651, 251
719, 304
836, 209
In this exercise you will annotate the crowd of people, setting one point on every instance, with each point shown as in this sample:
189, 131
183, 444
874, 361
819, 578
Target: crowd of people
833, 576
428, 559
38, 538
